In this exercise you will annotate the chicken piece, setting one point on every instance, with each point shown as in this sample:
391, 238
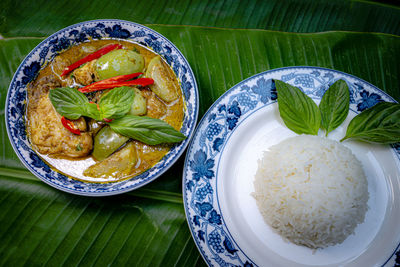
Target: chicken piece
81, 124
49, 136
86, 74
155, 107
40, 87
59, 64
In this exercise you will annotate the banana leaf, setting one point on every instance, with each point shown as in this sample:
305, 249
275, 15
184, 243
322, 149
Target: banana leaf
42, 226
147, 227
43, 17
229, 56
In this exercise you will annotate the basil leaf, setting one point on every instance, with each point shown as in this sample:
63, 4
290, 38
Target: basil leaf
147, 130
298, 111
91, 110
117, 102
379, 124
68, 102
334, 105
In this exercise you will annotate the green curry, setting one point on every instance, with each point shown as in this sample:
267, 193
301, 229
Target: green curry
109, 118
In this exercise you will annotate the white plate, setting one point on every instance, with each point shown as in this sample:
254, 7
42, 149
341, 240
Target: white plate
222, 160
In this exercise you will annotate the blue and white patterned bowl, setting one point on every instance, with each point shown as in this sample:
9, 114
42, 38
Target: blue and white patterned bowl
73, 35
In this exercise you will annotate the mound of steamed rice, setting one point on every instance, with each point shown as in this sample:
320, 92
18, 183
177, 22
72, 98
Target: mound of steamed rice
311, 190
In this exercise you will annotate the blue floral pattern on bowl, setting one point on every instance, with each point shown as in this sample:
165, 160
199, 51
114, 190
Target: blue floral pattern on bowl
202, 208
73, 35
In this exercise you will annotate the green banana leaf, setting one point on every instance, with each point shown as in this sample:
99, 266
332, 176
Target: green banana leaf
229, 56
42, 226
147, 227
43, 17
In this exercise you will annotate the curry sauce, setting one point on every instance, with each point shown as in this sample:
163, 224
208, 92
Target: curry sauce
71, 154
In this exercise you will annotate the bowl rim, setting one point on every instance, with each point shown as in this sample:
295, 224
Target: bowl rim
182, 146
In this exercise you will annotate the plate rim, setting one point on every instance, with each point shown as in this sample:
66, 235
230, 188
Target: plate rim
183, 145
205, 116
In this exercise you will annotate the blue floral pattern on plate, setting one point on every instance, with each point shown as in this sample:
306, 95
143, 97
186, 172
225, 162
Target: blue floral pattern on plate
73, 35
202, 208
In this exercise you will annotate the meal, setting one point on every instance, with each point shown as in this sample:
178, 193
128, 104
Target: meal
106, 109
311, 190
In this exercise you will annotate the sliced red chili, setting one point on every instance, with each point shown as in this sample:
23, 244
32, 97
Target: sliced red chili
120, 78
108, 120
110, 85
91, 57
70, 126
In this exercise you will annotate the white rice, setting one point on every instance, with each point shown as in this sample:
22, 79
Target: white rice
311, 190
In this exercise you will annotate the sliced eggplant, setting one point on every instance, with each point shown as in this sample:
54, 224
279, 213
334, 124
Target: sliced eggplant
119, 62
118, 165
106, 142
139, 104
163, 76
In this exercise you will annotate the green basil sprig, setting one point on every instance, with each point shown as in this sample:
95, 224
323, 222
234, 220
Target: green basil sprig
73, 104
298, 111
379, 124
115, 104
145, 129
334, 105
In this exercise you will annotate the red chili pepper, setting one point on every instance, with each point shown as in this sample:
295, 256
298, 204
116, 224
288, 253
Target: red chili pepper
120, 78
70, 126
109, 85
108, 120
90, 57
